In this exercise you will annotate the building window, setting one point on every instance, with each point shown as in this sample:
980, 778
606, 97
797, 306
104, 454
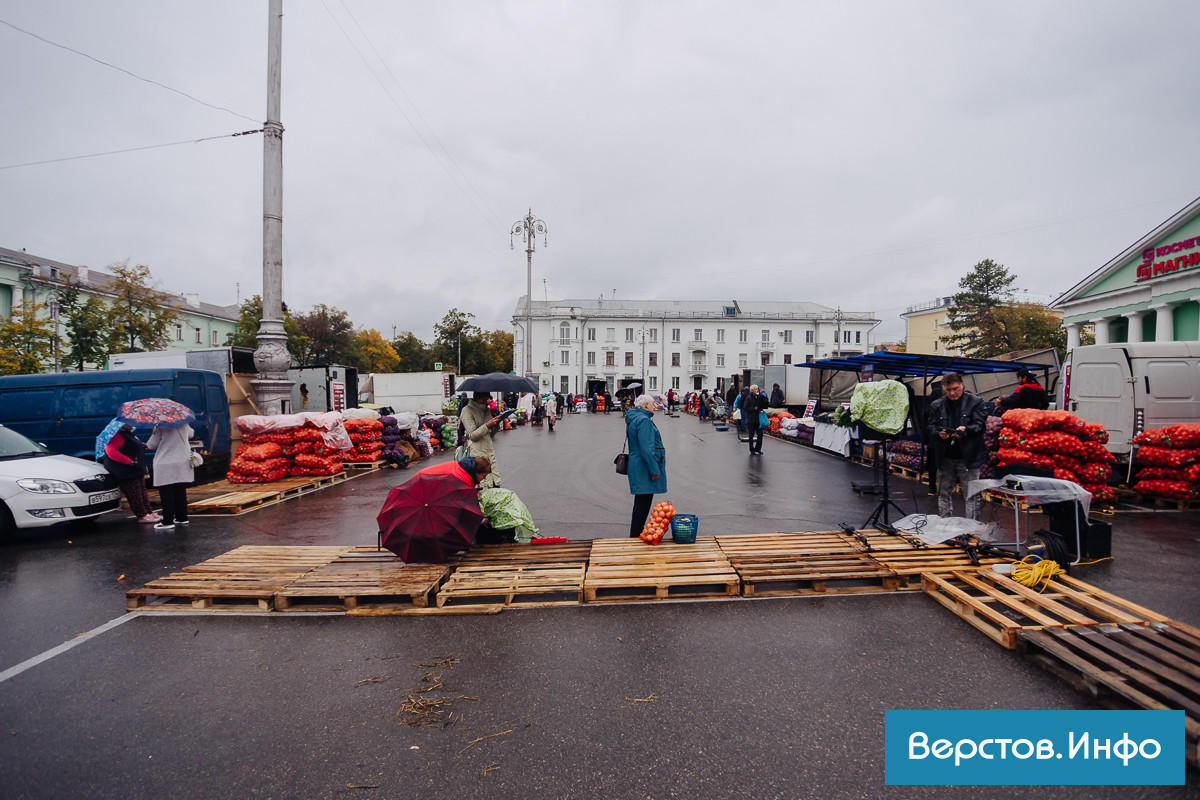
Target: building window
845, 337
935, 344
610, 359
742, 360
198, 339
674, 359
654, 335
214, 338
935, 323
674, 334
787, 358
808, 359
698, 335
766, 358
720, 359
720, 334
730, 311
787, 337
564, 333
653, 382
628, 359
591, 359
611, 334
179, 333
564, 356
858, 337
591, 334
675, 383
766, 335
808, 337
743, 335
629, 334
654, 359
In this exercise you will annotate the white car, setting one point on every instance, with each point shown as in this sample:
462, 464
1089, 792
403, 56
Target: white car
39, 488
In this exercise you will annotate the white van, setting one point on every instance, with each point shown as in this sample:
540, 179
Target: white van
1131, 387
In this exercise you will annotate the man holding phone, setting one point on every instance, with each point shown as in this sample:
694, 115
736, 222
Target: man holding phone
479, 426
956, 424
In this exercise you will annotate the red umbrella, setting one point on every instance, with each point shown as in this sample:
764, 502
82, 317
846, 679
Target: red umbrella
431, 516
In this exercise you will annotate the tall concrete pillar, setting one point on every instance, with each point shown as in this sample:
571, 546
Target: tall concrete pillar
1135, 327
1072, 335
1164, 331
1101, 328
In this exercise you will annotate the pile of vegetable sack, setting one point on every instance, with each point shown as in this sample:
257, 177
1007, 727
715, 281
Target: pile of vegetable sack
392, 439
907, 453
1168, 462
794, 429
776, 425
261, 460
367, 437
286, 445
312, 455
1059, 441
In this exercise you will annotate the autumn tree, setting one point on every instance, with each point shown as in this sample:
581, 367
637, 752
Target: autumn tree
327, 336
414, 355
375, 354
138, 316
495, 353
86, 324
26, 340
455, 331
246, 332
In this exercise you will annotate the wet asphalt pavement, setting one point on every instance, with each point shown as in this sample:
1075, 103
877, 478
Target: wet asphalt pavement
778, 698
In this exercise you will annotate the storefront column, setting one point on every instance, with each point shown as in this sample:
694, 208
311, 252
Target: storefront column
1135, 327
1101, 328
1164, 331
1072, 336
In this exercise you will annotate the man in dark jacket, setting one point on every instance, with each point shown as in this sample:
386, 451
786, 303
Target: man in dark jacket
955, 428
753, 403
776, 396
1029, 394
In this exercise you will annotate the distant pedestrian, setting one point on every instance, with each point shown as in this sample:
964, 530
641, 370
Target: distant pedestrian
739, 403
754, 403
173, 472
670, 400
125, 459
1029, 394
702, 410
607, 402
776, 397
647, 461
559, 402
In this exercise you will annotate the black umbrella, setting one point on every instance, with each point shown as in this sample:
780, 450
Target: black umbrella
497, 382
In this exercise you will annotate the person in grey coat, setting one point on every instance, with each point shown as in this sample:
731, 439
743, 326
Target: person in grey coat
647, 461
172, 473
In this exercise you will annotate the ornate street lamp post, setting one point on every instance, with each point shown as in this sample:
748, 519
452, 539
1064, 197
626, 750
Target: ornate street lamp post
273, 387
528, 228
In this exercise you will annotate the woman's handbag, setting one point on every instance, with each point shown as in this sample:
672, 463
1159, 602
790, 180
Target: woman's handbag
622, 460
195, 459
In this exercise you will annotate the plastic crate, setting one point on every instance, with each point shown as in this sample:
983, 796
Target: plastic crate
683, 528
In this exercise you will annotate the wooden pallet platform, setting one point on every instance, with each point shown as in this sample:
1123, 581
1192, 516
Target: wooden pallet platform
1000, 607
917, 475
1154, 666
240, 498
768, 544
912, 563
365, 465
520, 554
804, 563
508, 585
363, 580
244, 579
630, 570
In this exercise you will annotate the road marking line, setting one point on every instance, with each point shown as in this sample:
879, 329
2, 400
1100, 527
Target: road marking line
12, 672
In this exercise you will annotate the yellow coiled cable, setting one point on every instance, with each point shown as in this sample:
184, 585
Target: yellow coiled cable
1032, 574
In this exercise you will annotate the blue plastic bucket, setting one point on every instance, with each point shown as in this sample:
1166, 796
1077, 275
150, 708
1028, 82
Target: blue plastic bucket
683, 528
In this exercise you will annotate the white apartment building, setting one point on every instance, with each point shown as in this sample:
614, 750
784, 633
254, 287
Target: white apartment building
577, 345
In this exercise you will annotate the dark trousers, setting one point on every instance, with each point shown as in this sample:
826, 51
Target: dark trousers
135, 492
174, 502
641, 510
756, 436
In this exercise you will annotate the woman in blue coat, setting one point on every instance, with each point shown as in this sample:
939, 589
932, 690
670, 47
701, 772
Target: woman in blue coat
647, 461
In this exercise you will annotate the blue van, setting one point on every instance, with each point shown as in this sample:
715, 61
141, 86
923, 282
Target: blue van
67, 410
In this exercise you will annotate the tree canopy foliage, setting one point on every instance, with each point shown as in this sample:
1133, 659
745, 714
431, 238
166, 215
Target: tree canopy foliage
26, 340
138, 317
985, 321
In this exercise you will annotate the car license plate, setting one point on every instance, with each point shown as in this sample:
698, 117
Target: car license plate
104, 497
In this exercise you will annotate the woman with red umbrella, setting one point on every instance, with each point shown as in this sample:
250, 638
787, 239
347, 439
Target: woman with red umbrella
435, 513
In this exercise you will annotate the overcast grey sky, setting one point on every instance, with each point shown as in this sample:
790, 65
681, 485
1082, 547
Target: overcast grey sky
857, 154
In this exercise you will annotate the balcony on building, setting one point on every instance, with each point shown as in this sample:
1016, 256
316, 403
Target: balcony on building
698, 369
697, 344
765, 345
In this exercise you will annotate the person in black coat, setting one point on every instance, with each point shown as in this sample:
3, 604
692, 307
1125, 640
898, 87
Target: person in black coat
955, 428
753, 403
1029, 394
776, 396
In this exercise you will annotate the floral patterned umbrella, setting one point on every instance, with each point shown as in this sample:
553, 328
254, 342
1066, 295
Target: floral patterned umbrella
155, 411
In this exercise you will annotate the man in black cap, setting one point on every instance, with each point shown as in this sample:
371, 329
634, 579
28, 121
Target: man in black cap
1029, 394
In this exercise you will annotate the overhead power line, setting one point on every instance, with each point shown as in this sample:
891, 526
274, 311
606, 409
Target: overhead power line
129, 150
127, 72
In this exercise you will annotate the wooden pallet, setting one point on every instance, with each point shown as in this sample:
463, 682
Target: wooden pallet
1155, 666
912, 563
507, 585
917, 475
804, 563
364, 580
244, 579
364, 465
630, 570
518, 554
1000, 607
249, 497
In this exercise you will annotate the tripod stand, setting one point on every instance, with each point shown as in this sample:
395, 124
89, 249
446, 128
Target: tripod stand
879, 516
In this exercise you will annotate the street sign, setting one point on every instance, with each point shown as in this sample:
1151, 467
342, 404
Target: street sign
437, 366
